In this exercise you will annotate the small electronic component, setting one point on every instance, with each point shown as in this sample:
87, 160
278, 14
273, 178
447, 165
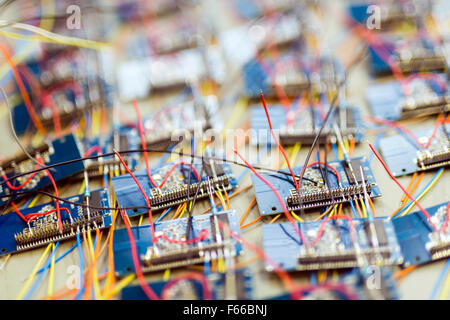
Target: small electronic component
137, 78
339, 246
59, 150
303, 127
289, 73
17, 235
419, 241
314, 192
176, 188
232, 285
70, 87
121, 140
404, 156
387, 100
173, 123
164, 254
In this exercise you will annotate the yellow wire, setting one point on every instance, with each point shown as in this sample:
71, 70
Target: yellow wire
363, 206
94, 267
33, 273
166, 275
120, 285
412, 205
323, 214
50, 37
222, 201
238, 109
295, 150
184, 209
83, 184
140, 220
296, 217
47, 7
51, 276
33, 202
445, 290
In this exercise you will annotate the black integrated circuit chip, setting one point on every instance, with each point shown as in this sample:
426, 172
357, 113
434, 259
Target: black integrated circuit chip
356, 173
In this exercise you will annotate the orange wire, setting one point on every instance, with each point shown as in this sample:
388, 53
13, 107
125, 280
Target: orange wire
404, 202
23, 91
275, 218
402, 273
352, 147
252, 222
250, 206
231, 196
371, 206
409, 186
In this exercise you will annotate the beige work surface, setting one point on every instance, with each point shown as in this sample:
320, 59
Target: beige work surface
416, 285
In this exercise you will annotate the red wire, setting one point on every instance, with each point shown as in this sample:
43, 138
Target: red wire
137, 266
150, 214
144, 146
322, 163
276, 140
18, 212
281, 273
58, 212
173, 168
47, 100
206, 287
439, 121
444, 227
202, 235
23, 184
398, 126
91, 150
35, 215
427, 215
283, 205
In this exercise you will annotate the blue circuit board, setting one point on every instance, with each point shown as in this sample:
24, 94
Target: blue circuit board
184, 253
357, 281
60, 150
334, 250
126, 139
400, 151
304, 126
388, 101
417, 238
192, 290
268, 203
16, 234
129, 195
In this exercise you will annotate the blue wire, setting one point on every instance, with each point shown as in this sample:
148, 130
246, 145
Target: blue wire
163, 215
353, 209
164, 157
424, 188
335, 151
39, 280
439, 280
80, 254
377, 142
60, 257
105, 178
313, 278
